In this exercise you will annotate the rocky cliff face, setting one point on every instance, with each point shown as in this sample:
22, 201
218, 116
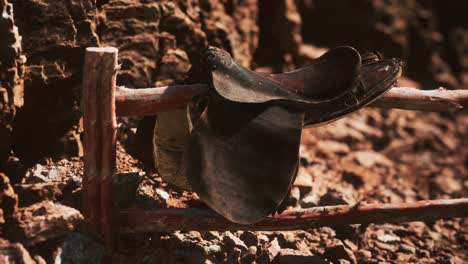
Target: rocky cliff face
158, 40
430, 36
54, 34
42, 52
11, 74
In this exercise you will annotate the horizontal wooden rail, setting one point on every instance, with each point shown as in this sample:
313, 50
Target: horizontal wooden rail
424, 100
150, 101
170, 219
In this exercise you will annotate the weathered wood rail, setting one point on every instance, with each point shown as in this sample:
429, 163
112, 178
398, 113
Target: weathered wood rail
103, 101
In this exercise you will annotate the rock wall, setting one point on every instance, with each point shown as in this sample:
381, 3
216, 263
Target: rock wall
11, 73
431, 36
159, 40
54, 35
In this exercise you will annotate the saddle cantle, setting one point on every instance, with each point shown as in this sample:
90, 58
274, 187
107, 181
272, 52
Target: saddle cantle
327, 78
376, 77
242, 153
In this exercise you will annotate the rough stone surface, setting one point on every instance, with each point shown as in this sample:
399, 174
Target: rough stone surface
158, 41
428, 35
14, 253
33, 193
80, 248
54, 35
11, 76
280, 34
43, 221
8, 199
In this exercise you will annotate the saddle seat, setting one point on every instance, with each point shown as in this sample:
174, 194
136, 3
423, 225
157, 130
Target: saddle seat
327, 77
323, 81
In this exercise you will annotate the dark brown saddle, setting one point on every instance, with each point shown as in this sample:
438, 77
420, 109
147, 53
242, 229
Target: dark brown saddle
325, 79
242, 153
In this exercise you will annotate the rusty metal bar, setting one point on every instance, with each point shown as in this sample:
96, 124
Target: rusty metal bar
170, 219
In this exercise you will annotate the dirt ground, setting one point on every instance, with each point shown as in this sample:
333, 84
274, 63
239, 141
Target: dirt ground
372, 156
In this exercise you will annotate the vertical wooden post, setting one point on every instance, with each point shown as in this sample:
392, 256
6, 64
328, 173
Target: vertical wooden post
109, 140
91, 143
99, 119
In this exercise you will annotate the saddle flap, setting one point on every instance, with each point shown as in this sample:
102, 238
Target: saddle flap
241, 158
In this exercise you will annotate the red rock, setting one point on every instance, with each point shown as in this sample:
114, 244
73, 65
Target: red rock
8, 198
11, 74
43, 221
15, 253
338, 252
291, 256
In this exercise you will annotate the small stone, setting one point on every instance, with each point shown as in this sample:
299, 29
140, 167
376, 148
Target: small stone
338, 252
332, 197
249, 238
288, 240
80, 248
212, 249
273, 249
126, 186
333, 146
294, 196
36, 192
291, 256
211, 235
386, 246
15, 170
163, 194
446, 183
39, 260
407, 249
262, 239
388, 238
231, 242
363, 255
53, 175
250, 256
424, 253
309, 202
371, 159
234, 257
11, 253
8, 198
350, 245
74, 182
37, 178
44, 221
303, 178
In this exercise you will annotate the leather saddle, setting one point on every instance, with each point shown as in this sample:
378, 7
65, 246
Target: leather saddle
243, 151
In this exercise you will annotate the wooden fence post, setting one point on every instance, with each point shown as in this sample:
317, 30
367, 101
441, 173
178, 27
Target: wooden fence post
99, 119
